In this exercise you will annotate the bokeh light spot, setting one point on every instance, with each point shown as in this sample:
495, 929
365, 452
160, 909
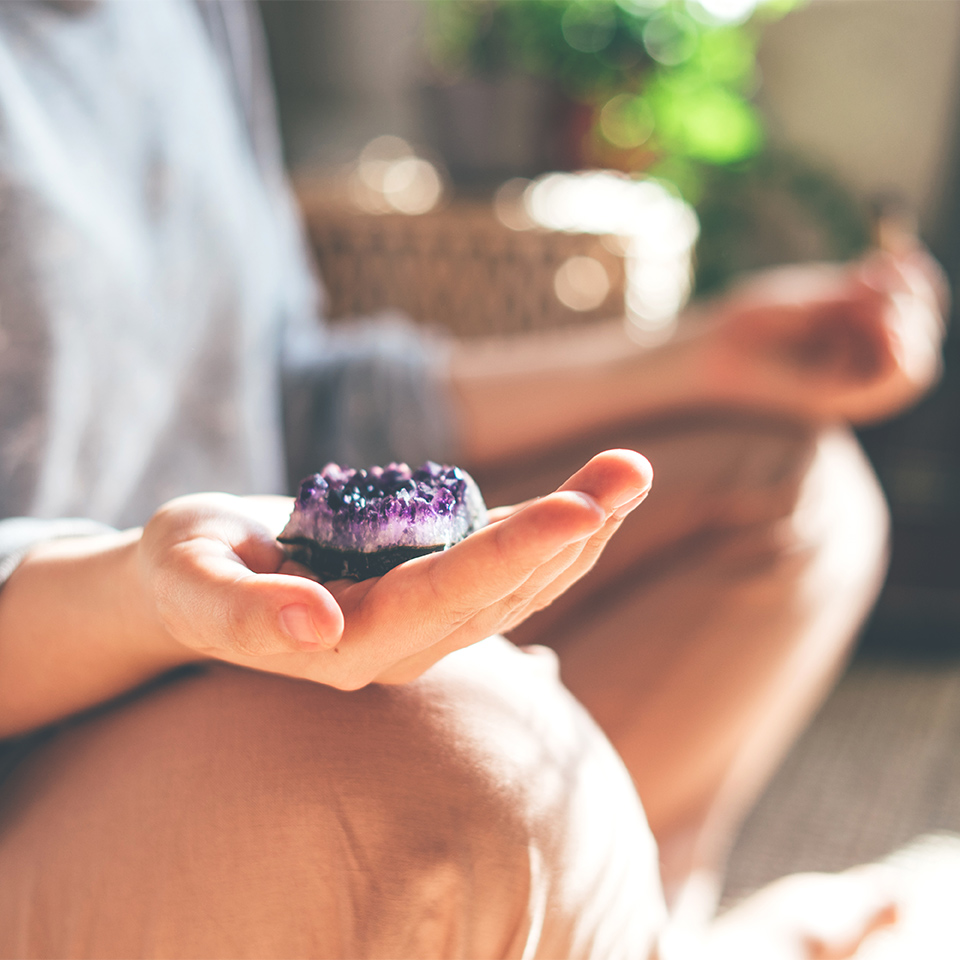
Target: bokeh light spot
727, 55
728, 11
720, 128
581, 283
641, 220
626, 120
670, 37
389, 176
412, 185
589, 26
508, 204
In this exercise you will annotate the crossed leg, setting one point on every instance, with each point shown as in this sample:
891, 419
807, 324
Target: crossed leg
475, 813
718, 617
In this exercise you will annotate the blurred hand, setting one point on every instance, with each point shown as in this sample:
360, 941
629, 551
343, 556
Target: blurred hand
218, 583
854, 342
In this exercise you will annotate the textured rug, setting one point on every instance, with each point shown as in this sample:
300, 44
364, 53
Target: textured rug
879, 766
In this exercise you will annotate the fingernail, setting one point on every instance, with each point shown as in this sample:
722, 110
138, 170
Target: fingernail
623, 509
296, 622
629, 496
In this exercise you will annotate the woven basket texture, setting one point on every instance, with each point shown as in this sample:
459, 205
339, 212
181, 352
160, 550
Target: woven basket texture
457, 268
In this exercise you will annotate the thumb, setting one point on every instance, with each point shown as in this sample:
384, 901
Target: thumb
217, 604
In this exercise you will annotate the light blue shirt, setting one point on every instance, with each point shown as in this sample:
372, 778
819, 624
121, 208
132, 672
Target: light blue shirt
158, 316
155, 299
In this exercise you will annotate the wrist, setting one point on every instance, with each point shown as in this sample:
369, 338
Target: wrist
76, 629
104, 576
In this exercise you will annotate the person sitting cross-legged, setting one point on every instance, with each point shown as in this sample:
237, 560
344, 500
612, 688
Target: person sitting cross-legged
209, 753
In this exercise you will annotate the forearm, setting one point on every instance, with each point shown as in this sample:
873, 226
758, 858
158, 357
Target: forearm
73, 632
816, 343
535, 391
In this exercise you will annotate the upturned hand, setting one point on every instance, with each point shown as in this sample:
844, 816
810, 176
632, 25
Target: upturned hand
855, 342
219, 586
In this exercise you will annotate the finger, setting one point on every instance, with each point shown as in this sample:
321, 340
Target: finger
532, 538
436, 595
914, 274
914, 271
909, 326
247, 525
212, 601
537, 592
618, 479
549, 586
496, 514
552, 579
613, 478
928, 272
494, 617
884, 272
914, 339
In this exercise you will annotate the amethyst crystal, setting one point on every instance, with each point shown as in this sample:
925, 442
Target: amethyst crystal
362, 523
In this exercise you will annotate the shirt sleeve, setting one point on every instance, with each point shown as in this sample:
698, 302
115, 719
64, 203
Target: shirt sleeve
366, 392
19, 535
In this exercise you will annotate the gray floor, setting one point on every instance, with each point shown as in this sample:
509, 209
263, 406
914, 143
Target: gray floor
879, 766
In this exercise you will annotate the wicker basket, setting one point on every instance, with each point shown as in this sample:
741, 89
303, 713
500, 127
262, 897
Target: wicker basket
457, 267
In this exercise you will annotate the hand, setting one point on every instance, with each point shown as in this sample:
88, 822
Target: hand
856, 342
219, 585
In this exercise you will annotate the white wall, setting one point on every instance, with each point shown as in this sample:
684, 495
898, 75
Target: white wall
870, 87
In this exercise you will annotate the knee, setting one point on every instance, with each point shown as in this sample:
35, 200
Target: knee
838, 514
476, 812
814, 517
794, 494
747, 472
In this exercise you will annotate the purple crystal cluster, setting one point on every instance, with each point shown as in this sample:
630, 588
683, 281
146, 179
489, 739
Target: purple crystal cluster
361, 523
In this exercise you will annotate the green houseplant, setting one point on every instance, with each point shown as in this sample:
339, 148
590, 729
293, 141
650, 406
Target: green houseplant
659, 88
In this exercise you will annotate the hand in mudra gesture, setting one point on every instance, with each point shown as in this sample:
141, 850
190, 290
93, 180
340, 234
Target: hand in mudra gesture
853, 342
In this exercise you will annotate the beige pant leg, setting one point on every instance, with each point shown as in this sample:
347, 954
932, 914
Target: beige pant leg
719, 615
475, 813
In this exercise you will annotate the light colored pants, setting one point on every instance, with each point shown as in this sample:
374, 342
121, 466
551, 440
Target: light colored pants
478, 812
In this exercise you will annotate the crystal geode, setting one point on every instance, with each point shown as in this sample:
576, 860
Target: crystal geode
362, 523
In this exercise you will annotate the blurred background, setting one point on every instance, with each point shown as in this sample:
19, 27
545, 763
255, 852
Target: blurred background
444, 133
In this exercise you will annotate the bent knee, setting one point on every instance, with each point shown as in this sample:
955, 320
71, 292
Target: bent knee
476, 812
825, 522
812, 484
839, 513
